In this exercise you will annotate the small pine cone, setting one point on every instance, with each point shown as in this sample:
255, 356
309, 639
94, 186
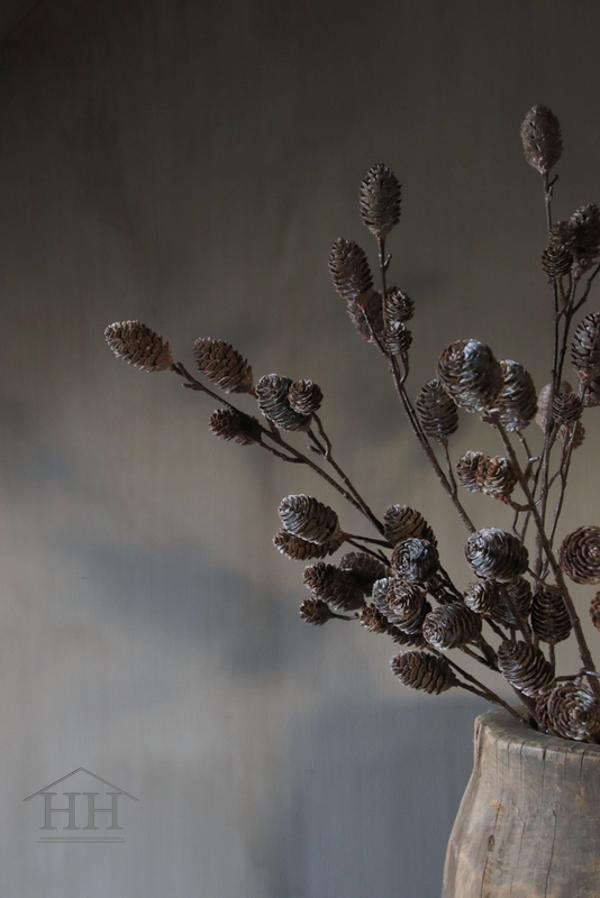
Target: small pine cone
566, 406
364, 568
573, 712
316, 612
406, 607
338, 588
580, 555
305, 397
483, 598
470, 374
398, 306
541, 137
585, 347
423, 671
516, 403
541, 708
499, 478
373, 620
301, 550
595, 611
138, 345
470, 470
309, 519
366, 315
451, 626
380, 200
223, 365
574, 432
230, 425
585, 222
414, 561
557, 257
396, 338
549, 615
515, 603
272, 398
494, 553
437, 411
401, 522
524, 666
349, 269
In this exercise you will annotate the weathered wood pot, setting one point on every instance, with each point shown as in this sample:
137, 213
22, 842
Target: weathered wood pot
529, 822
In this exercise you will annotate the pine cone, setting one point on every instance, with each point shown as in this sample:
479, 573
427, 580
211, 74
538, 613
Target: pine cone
585, 222
309, 519
380, 200
515, 603
573, 712
414, 561
566, 406
524, 667
305, 397
230, 425
398, 307
437, 411
585, 347
223, 365
541, 137
366, 315
557, 257
396, 338
469, 469
499, 478
483, 598
470, 374
494, 553
349, 269
451, 626
516, 402
272, 398
401, 522
364, 568
549, 616
301, 550
138, 345
423, 671
406, 607
595, 611
580, 555
373, 620
316, 612
338, 588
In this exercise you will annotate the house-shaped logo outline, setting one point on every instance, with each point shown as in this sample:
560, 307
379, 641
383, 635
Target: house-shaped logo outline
89, 773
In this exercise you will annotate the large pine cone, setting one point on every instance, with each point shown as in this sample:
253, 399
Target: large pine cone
401, 522
398, 307
542, 139
138, 345
573, 712
380, 200
406, 607
414, 561
305, 397
483, 597
315, 611
496, 554
524, 666
595, 611
338, 588
516, 403
349, 269
364, 568
272, 398
515, 603
231, 425
580, 555
549, 616
301, 550
223, 365
451, 626
366, 314
423, 671
309, 519
585, 347
470, 374
437, 411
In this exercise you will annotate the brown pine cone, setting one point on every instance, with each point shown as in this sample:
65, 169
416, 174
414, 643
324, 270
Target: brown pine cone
470, 374
396, 338
381, 592
515, 603
585, 347
223, 365
349, 269
309, 519
373, 620
541, 138
314, 611
595, 611
549, 616
231, 425
414, 561
301, 550
272, 398
423, 671
499, 478
401, 522
483, 598
469, 469
496, 554
566, 406
406, 607
398, 307
366, 314
305, 397
337, 588
437, 411
364, 568
451, 626
380, 200
138, 345
573, 712
524, 666
580, 555
516, 403
557, 257
585, 222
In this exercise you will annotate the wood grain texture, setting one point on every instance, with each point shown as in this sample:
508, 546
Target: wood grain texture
529, 822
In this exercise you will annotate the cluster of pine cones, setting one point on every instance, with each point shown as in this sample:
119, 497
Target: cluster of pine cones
508, 616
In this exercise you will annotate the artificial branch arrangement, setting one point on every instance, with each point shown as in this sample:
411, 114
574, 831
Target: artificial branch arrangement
518, 607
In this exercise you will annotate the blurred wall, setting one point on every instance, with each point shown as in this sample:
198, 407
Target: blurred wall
190, 163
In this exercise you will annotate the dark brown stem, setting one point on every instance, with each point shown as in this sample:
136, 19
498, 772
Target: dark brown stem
376, 554
488, 693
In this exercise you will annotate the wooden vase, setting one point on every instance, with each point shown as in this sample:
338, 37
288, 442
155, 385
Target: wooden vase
529, 822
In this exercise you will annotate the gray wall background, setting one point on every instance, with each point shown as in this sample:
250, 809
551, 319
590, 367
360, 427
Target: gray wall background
189, 163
